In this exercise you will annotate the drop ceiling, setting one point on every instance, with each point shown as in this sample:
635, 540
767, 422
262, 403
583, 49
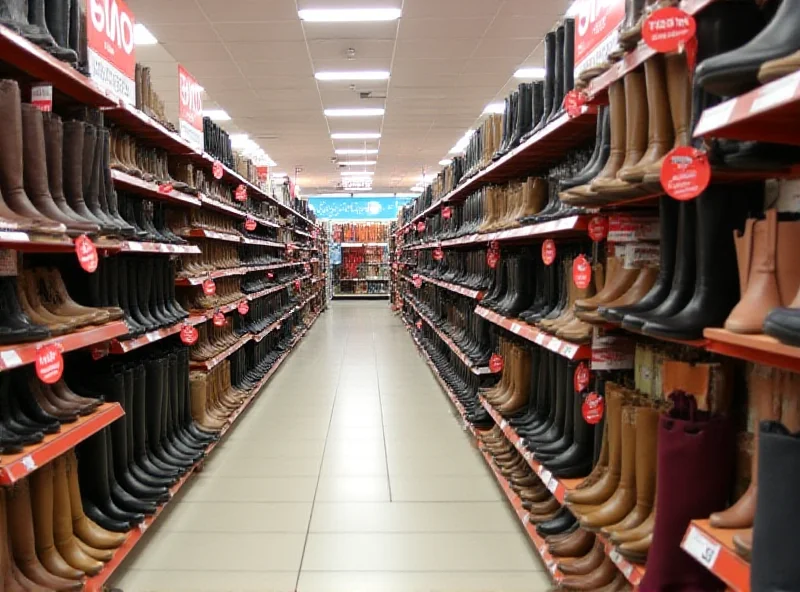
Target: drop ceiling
256, 60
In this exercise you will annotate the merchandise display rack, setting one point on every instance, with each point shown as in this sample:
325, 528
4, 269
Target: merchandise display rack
355, 276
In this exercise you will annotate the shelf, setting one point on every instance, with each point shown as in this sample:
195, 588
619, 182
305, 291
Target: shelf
713, 548
150, 190
571, 225
545, 148
137, 247
18, 466
220, 357
98, 583
572, 351
258, 337
213, 234
363, 279
262, 242
208, 314
381, 295
468, 292
760, 349
13, 356
478, 370
124, 346
345, 245
197, 280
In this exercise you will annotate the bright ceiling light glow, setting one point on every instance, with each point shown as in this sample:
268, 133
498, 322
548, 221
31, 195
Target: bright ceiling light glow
356, 136
417, 189
346, 151
141, 36
217, 115
462, 144
349, 15
357, 173
355, 75
535, 73
446, 161
359, 162
363, 112
281, 174
238, 140
496, 108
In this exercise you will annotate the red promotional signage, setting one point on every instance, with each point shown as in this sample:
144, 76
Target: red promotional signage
263, 173
581, 378
244, 307
581, 272
189, 334
219, 319
668, 29
573, 102
592, 408
250, 225
209, 287
447, 212
87, 253
416, 280
297, 285
42, 97
548, 252
418, 324
685, 173
49, 363
241, 193
496, 363
596, 30
420, 226
438, 254
217, 170
110, 37
165, 189
190, 108
598, 228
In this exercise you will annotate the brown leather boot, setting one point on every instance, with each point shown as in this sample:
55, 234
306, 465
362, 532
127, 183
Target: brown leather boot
11, 165
97, 554
521, 381
635, 534
16, 509
587, 562
199, 405
74, 132
618, 282
577, 544
645, 280
743, 543
594, 580
54, 476
624, 498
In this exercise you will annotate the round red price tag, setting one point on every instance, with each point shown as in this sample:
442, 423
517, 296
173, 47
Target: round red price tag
87, 253
593, 408
573, 103
598, 228
241, 193
420, 226
548, 252
581, 378
270, 275
496, 363
166, 188
447, 212
581, 272
492, 259
244, 307
49, 363
209, 287
219, 319
416, 280
668, 29
297, 285
419, 325
250, 225
685, 173
438, 254
189, 334
216, 170
99, 351
307, 267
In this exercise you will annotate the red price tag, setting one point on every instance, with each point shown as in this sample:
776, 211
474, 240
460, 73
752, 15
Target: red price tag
219, 319
668, 29
438, 254
496, 363
166, 188
270, 275
419, 325
492, 258
87, 253
420, 226
209, 287
307, 267
593, 407
581, 272
49, 363
250, 225
573, 103
217, 170
447, 212
685, 173
241, 193
416, 280
290, 248
598, 228
548, 252
99, 351
244, 307
189, 334
581, 378
297, 285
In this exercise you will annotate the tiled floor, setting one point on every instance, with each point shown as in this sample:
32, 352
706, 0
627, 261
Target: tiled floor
350, 473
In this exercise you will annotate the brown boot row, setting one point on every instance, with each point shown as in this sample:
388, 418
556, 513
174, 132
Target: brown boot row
133, 158
622, 287
46, 540
506, 205
212, 341
510, 394
214, 399
215, 255
228, 291
570, 325
147, 100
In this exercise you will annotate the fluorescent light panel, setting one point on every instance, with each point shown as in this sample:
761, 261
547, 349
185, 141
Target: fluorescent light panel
357, 173
535, 73
418, 189
141, 36
355, 75
496, 108
462, 144
356, 136
446, 161
346, 151
361, 112
349, 15
217, 115
359, 162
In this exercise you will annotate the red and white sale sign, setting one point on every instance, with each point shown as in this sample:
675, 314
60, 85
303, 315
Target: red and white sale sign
596, 30
190, 108
112, 57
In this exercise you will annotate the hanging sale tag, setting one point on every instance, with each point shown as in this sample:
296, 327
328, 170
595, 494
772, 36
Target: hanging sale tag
219, 319
42, 97
581, 378
447, 212
496, 363
438, 254
241, 193
416, 280
189, 334
598, 228
685, 173
49, 363
581, 272
250, 225
667, 29
217, 170
209, 287
243, 308
87, 253
548, 252
420, 226
573, 103
593, 408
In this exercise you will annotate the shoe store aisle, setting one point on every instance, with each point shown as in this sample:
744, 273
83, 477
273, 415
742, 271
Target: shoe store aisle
350, 472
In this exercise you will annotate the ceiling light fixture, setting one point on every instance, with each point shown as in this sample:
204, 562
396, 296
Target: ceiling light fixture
462, 144
356, 136
239, 140
535, 73
446, 161
349, 15
359, 162
356, 75
346, 151
494, 108
217, 115
141, 36
417, 189
357, 173
362, 112
277, 175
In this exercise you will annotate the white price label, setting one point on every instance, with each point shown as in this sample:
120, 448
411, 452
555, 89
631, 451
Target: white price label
518, 444
503, 424
701, 547
545, 475
554, 345
154, 336
10, 359
540, 338
527, 455
773, 94
570, 350
516, 328
717, 116
553, 484
133, 246
526, 519
29, 463
614, 556
142, 526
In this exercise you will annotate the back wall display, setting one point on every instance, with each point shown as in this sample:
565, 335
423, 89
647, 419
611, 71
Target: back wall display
357, 208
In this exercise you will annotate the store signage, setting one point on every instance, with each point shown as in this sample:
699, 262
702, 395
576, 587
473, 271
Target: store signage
493, 254
87, 253
189, 334
42, 97
270, 275
416, 280
165, 188
668, 29
597, 24
361, 183
219, 319
111, 47
241, 192
250, 224
244, 307
49, 363
297, 285
438, 254
421, 226
598, 228
447, 212
496, 363
263, 173
190, 108
209, 287
581, 378
100, 351
548, 252
573, 103
593, 407
217, 170
581, 272
685, 173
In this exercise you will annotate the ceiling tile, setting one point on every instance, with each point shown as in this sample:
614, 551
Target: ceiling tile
337, 48
450, 8
289, 30
276, 68
247, 11
293, 52
453, 28
505, 48
182, 33
205, 51
519, 27
202, 70
435, 48
157, 11
349, 31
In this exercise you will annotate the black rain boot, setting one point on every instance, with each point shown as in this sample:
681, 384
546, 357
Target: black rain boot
549, 79
558, 81
57, 13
